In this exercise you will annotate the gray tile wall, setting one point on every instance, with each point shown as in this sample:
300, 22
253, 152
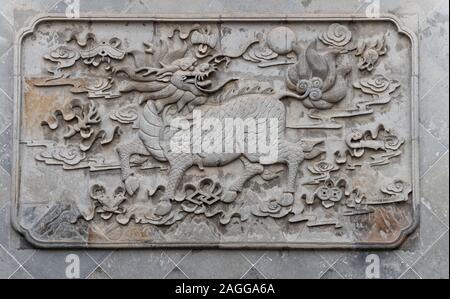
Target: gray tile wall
424, 255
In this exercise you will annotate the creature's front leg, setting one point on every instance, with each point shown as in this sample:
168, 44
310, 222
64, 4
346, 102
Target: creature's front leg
125, 151
178, 166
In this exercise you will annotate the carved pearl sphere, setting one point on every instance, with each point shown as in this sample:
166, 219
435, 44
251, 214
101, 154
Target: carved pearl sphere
280, 40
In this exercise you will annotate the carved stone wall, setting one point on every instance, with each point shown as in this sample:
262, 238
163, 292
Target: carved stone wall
331, 102
424, 254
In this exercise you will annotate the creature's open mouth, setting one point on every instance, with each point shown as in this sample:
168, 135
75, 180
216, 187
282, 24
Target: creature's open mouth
201, 79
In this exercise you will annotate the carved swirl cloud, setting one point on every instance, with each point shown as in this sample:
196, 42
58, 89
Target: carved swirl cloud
337, 35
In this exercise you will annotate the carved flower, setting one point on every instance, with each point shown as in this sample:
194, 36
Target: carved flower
317, 79
377, 85
323, 167
323, 170
370, 53
272, 208
337, 35
108, 205
103, 52
205, 40
397, 191
64, 57
398, 186
62, 53
368, 59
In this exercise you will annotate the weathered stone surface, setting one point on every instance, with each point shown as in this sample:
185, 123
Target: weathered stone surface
21, 274
11, 240
6, 33
58, 264
7, 264
6, 105
6, 138
5, 187
286, 264
202, 264
434, 264
357, 266
430, 230
6, 74
410, 275
431, 150
435, 189
253, 273
99, 273
331, 274
125, 138
140, 264
436, 122
176, 274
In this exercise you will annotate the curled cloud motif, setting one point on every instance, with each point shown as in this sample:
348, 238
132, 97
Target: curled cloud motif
337, 35
69, 155
377, 85
125, 115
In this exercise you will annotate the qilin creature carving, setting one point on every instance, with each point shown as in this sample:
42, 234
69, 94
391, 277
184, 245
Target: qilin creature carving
130, 97
152, 136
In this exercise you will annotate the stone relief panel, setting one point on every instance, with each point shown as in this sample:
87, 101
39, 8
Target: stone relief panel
244, 133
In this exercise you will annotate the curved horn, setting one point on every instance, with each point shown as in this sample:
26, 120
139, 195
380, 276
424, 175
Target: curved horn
217, 88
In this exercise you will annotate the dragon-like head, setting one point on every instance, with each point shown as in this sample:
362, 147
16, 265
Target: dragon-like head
190, 75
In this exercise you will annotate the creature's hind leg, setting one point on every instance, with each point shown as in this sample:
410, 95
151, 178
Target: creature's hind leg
251, 170
178, 167
125, 151
292, 155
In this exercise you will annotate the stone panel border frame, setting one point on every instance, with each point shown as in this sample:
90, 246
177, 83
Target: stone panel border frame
220, 18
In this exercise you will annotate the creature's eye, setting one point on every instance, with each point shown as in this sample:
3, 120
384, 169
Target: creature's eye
203, 67
185, 66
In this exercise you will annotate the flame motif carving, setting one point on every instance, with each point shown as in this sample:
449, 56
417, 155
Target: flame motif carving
317, 79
